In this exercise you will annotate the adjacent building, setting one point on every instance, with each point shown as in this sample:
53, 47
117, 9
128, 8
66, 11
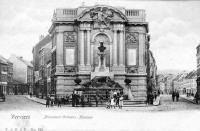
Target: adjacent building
198, 69
41, 61
6, 76
22, 73
45, 70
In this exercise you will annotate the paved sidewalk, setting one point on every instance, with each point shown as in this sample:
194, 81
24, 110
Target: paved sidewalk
188, 98
35, 99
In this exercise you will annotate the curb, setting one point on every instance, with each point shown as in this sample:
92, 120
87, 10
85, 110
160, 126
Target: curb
35, 100
189, 100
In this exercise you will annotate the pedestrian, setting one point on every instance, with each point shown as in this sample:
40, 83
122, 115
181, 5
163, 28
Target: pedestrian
151, 97
173, 95
196, 98
96, 100
177, 96
112, 103
148, 98
120, 102
73, 99
47, 101
117, 99
59, 101
108, 104
155, 95
82, 101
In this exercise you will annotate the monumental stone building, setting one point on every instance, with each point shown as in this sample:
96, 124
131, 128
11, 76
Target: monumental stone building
76, 36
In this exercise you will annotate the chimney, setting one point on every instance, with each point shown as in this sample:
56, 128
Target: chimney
41, 37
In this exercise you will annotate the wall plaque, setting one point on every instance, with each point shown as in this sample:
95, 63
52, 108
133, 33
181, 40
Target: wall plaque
69, 56
132, 55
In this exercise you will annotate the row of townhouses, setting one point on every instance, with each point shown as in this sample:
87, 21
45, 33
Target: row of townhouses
184, 82
16, 75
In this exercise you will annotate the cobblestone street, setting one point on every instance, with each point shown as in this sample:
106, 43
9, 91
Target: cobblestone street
21, 103
171, 116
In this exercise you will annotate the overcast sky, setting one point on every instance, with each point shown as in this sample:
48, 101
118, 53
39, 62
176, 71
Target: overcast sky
174, 27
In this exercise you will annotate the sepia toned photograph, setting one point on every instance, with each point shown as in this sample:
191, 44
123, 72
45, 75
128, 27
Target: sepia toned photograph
99, 65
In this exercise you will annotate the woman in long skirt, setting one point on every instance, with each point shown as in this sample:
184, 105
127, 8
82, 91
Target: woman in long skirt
120, 102
112, 103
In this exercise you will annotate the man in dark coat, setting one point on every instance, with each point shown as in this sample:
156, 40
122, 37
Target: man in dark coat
177, 96
173, 96
73, 99
197, 98
82, 101
47, 101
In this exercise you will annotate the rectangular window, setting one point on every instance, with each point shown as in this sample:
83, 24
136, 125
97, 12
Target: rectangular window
132, 55
69, 56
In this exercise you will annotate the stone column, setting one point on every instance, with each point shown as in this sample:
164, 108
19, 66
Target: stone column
92, 48
141, 51
81, 48
121, 48
59, 48
59, 53
115, 48
88, 48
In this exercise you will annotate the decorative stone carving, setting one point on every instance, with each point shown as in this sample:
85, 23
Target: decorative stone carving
70, 37
132, 70
101, 16
69, 69
132, 38
102, 38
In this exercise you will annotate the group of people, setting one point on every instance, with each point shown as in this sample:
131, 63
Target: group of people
82, 100
51, 101
115, 100
175, 94
153, 98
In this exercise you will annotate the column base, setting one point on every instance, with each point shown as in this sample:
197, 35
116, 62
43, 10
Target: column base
60, 69
118, 69
83, 68
141, 70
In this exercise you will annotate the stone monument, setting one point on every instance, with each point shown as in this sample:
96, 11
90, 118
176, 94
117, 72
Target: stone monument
102, 59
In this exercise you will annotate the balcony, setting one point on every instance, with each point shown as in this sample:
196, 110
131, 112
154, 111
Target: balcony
135, 15
70, 14
64, 15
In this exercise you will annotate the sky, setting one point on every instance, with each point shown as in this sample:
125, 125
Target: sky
174, 27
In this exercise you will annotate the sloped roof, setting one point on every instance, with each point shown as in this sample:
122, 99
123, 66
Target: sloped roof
44, 41
25, 62
191, 75
4, 60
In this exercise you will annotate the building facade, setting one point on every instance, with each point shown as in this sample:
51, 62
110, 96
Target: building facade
198, 69
6, 76
76, 35
44, 70
22, 73
37, 61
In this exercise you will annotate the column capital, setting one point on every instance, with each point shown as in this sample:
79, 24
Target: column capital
85, 26
118, 27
